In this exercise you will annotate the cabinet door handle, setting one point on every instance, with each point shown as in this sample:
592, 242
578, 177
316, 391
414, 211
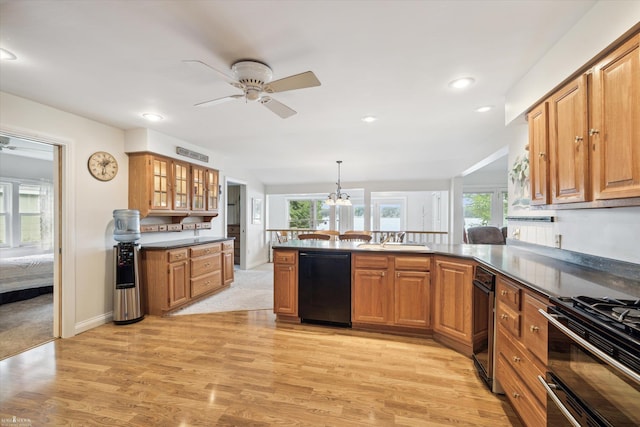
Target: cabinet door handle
516, 395
207, 265
503, 292
397, 274
516, 359
578, 140
504, 316
542, 154
382, 274
534, 328
593, 132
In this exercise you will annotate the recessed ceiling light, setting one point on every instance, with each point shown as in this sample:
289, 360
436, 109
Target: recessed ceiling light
152, 117
6, 55
461, 83
369, 119
484, 109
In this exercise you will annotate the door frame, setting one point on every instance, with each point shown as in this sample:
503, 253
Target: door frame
243, 216
64, 297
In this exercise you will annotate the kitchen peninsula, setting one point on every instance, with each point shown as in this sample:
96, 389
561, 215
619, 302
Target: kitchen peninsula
429, 292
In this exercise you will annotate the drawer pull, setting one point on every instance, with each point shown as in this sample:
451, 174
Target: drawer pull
516, 359
207, 265
503, 292
382, 274
534, 328
504, 316
516, 395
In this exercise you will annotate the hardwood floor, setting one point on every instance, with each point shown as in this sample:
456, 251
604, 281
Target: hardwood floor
243, 369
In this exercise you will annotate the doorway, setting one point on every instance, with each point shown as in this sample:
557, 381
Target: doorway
236, 219
28, 225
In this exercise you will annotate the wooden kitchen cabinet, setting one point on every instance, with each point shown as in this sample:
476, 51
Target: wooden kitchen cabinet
160, 186
584, 139
391, 291
521, 349
228, 273
178, 278
538, 120
285, 284
372, 291
174, 278
568, 143
615, 123
412, 291
453, 302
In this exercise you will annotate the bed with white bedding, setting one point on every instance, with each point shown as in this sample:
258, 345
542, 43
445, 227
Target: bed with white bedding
25, 277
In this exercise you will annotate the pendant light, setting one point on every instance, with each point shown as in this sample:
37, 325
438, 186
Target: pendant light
338, 198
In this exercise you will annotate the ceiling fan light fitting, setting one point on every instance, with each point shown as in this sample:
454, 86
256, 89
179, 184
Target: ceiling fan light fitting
252, 72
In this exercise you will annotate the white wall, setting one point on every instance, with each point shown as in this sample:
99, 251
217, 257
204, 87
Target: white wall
88, 204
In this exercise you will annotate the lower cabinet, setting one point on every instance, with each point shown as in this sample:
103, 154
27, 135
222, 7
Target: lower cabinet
228, 273
521, 349
453, 302
391, 290
285, 283
175, 278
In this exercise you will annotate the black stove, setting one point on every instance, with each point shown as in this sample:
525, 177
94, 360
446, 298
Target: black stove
612, 325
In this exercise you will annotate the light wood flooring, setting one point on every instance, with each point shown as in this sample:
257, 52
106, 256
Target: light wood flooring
243, 369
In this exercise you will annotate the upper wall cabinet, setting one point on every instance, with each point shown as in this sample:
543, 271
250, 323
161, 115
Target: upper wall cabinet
615, 123
160, 186
584, 140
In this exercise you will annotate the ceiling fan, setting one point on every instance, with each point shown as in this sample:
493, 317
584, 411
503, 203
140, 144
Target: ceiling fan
5, 144
254, 79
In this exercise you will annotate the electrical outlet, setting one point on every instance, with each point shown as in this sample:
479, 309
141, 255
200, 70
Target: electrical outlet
558, 242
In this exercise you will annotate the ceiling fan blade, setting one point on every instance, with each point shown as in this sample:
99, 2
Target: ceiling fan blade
277, 107
218, 101
227, 78
298, 81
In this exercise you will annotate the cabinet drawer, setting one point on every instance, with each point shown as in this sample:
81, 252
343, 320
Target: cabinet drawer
203, 250
178, 255
519, 395
414, 263
535, 328
371, 261
206, 283
522, 365
227, 246
205, 264
508, 292
284, 257
508, 319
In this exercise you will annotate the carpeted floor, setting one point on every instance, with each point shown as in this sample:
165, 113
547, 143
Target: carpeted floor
250, 290
25, 324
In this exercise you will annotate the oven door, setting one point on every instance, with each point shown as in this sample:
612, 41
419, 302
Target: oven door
585, 386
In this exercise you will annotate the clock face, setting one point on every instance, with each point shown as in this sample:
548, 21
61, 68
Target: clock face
103, 166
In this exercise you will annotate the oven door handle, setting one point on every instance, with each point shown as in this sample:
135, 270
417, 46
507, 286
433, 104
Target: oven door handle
594, 350
558, 403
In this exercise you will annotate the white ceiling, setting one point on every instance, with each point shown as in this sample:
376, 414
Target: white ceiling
114, 60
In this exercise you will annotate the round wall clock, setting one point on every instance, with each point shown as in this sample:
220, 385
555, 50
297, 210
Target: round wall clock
103, 166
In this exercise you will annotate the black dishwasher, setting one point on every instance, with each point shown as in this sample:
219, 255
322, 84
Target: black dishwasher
324, 287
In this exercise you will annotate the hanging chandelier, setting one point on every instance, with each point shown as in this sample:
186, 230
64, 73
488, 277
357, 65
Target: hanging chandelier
338, 198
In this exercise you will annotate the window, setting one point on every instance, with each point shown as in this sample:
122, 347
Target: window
308, 213
5, 211
483, 208
388, 214
29, 211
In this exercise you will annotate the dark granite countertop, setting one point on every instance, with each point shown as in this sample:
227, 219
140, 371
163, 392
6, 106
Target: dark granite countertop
545, 274
174, 244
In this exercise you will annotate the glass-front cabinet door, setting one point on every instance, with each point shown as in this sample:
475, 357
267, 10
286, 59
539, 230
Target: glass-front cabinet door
213, 190
180, 186
160, 199
198, 195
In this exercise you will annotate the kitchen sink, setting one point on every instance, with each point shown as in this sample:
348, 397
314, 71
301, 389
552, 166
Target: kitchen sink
391, 246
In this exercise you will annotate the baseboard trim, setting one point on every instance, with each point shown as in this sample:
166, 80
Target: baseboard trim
93, 322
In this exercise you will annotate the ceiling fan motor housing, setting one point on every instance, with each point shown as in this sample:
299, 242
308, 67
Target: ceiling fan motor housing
254, 75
